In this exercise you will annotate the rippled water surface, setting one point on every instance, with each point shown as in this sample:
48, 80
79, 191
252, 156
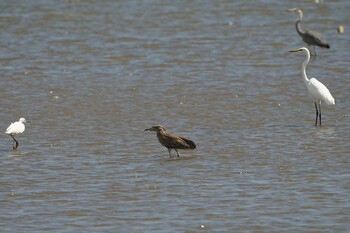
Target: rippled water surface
92, 75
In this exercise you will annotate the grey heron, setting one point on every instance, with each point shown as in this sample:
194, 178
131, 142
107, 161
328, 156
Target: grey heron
310, 37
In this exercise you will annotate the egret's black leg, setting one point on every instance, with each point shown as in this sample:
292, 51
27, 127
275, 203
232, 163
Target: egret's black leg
316, 114
15, 141
319, 111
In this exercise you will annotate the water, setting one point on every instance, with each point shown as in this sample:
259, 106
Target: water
91, 76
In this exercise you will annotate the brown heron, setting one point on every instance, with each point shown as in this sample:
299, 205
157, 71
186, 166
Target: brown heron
310, 37
171, 140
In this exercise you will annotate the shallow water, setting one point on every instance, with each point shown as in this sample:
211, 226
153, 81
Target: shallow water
91, 76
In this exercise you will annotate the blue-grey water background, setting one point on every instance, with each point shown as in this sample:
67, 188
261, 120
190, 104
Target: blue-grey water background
92, 75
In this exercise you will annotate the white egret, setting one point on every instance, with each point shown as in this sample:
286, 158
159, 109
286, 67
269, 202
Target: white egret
316, 89
16, 128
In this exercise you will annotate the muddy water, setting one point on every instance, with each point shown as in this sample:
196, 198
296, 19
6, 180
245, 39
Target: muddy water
91, 76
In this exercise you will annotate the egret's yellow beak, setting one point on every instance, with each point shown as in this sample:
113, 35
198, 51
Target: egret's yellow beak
295, 50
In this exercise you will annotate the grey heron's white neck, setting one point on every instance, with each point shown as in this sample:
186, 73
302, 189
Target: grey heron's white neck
300, 15
298, 28
297, 23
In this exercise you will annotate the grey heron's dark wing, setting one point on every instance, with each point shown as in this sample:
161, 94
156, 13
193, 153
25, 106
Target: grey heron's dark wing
314, 38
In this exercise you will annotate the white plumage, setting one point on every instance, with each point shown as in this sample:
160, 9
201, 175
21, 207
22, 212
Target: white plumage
316, 89
16, 128
319, 92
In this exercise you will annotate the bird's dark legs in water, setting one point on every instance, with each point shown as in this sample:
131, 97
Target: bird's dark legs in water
318, 113
314, 50
178, 154
15, 144
169, 150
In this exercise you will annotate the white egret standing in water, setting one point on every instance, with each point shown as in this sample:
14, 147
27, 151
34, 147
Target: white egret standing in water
16, 128
316, 89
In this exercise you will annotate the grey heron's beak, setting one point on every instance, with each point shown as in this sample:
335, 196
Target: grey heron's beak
292, 9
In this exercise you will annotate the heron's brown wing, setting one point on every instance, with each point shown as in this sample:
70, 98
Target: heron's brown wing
170, 140
191, 144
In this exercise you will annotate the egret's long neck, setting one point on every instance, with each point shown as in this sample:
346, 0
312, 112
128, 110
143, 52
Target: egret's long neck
303, 67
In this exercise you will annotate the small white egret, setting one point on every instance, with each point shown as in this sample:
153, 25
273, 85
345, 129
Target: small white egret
316, 89
16, 128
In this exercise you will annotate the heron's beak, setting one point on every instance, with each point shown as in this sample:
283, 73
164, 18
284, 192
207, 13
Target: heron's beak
148, 129
295, 50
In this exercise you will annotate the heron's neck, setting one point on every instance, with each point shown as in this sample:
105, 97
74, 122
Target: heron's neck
300, 15
299, 29
160, 133
297, 24
303, 68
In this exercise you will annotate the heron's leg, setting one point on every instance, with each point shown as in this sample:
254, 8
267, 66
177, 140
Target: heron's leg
178, 154
314, 50
14, 146
319, 111
169, 150
316, 114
